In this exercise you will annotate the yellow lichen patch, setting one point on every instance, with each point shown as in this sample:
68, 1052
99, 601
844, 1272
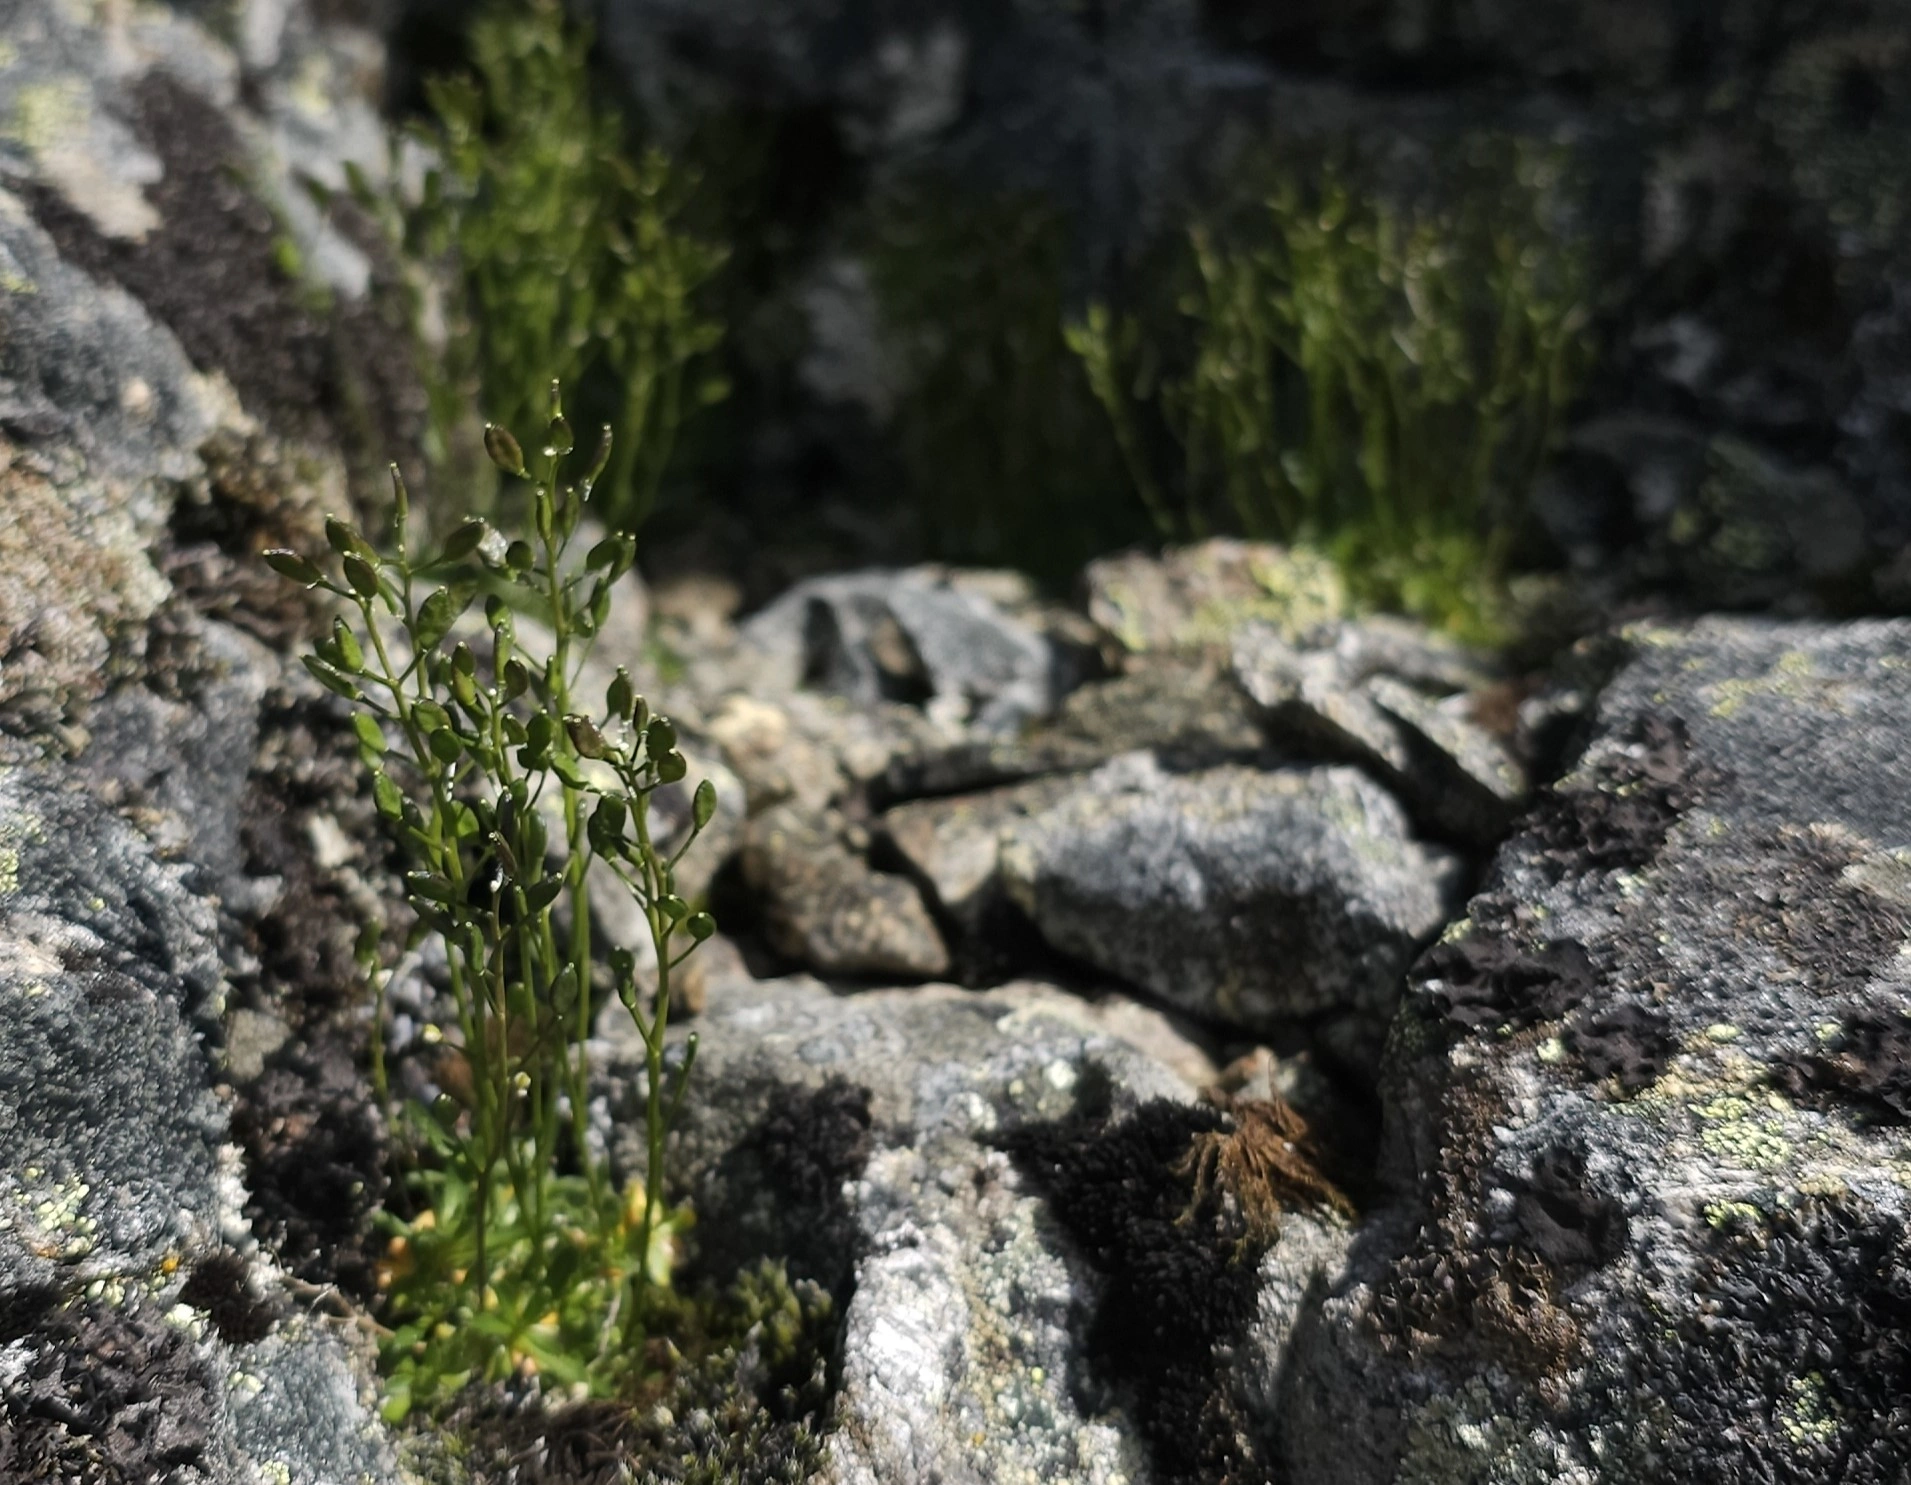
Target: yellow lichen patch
1806, 1415
1792, 676
1732, 1214
47, 112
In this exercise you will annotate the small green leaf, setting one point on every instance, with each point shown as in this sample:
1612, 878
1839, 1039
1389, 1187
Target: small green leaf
329, 677
292, 565
704, 806
503, 449
371, 736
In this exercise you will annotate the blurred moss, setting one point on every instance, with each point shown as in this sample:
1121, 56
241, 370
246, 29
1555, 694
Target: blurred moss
1381, 378
996, 432
570, 250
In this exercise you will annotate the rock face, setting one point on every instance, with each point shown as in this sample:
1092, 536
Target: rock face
871, 1139
134, 1331
1646, 1107
1250, 897
162, 418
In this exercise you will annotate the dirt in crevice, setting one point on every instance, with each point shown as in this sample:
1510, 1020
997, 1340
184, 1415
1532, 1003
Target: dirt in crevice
313, 1137
1180, 1272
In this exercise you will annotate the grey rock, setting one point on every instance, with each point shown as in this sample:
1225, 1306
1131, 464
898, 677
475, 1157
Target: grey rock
825, 907
1195, 597
910, 636
1253, 898
1645, 1162
963, 1325
954, 844
1346, 700
113, 1163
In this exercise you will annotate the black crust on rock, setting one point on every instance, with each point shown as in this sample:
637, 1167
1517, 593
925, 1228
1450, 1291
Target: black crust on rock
1176, 1293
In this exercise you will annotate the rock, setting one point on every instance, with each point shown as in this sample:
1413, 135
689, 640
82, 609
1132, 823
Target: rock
1250, 898
1187, 709
1346, 700
99, 408
914, 637
117, 1188
868, 1139
1645, 1164
826, 908
1196, 597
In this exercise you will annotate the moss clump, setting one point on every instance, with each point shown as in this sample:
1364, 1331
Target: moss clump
1378, 376
569, 244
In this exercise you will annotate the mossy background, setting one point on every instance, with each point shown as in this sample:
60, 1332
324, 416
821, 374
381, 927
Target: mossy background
1389, 398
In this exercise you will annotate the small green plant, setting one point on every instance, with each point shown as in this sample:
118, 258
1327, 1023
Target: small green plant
1378, 379
522, 1254
570, 248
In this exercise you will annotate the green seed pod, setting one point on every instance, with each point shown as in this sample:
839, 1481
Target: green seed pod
292, 565
620, 696
519, 556
704, 807
585, 737
672, 767
517, 680
350, 656
445, 746
600, 459
371, 737
330, 678
344, 538
361, 575
503, 449
701, 926
660, 736
391, 804
465, 540
558, 439
674, 908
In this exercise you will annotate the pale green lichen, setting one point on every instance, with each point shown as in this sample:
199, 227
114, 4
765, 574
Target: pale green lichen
1789, 678
47, 113
1807, 1415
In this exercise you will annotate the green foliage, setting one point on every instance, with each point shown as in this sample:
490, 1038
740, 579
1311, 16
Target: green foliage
478, 754
1379, 378
571, 249
1003, 451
